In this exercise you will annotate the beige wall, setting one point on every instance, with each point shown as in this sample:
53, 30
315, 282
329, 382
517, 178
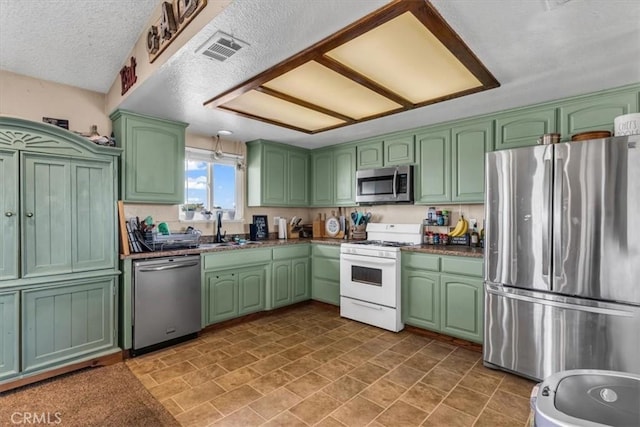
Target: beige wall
33, 99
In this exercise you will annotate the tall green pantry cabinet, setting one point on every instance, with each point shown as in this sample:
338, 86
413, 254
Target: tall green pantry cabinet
58, 256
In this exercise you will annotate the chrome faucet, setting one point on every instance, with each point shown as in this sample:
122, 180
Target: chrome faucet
219, 222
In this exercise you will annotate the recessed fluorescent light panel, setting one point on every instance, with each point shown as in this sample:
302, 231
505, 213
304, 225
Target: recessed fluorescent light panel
402, 56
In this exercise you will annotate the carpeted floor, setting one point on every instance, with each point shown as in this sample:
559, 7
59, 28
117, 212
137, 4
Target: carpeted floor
107, 396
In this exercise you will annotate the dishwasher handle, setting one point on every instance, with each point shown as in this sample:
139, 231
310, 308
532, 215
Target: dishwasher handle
169, 267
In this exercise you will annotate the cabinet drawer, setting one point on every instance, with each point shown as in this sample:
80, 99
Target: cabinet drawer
462, 265
326, 268
327, 251
421, 261
234, 258
293, 251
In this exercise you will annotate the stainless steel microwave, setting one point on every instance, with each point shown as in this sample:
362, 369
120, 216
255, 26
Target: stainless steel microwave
385, 185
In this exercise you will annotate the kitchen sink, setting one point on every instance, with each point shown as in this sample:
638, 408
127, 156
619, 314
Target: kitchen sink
226, 244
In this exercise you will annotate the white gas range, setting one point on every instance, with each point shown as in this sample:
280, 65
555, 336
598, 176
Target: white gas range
370, 274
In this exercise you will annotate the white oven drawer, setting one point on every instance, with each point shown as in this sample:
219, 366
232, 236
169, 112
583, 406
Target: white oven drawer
372, 314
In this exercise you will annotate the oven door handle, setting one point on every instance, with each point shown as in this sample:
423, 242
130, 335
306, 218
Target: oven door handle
367, 260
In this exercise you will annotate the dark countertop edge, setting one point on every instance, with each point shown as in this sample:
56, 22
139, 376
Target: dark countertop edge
465, 251
427, 249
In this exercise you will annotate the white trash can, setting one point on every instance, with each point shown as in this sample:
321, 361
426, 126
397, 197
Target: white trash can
587, 398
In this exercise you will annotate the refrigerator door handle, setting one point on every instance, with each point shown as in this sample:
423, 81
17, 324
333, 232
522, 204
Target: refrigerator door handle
557, 218
546, 219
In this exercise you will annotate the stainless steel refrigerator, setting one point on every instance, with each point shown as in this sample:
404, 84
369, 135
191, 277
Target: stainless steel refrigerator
562, 257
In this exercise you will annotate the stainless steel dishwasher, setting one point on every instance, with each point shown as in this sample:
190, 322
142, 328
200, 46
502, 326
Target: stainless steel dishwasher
166, 302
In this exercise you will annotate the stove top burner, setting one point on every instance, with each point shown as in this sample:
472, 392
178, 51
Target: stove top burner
383, 243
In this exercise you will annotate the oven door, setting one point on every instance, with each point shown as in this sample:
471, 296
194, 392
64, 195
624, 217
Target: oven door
370, 279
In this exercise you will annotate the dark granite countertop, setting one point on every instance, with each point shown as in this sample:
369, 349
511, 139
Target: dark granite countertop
208, 247
446, 250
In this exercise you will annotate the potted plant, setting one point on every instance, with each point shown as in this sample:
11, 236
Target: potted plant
190, 209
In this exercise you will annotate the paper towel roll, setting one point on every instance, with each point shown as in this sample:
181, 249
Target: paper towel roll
282, 228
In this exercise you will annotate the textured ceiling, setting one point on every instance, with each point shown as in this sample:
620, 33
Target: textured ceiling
78, 43
539, 50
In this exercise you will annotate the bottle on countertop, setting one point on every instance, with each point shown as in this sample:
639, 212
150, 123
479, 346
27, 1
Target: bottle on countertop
475, 237
482, 235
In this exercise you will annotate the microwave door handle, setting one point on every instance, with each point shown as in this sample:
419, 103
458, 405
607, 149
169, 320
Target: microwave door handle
395, 181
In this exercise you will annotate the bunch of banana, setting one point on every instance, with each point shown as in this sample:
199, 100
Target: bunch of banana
461, 228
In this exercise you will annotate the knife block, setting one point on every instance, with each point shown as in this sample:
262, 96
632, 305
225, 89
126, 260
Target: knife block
291, 234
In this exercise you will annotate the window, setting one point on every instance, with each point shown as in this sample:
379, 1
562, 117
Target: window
212, 183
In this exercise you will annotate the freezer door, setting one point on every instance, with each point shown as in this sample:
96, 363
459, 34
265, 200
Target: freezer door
538, 334
596, 222
517, 214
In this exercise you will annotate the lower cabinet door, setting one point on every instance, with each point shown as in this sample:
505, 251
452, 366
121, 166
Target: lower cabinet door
67, 322
281, 283
222, 296
421, 298
9, 335
461, 302
300, 279
251, 286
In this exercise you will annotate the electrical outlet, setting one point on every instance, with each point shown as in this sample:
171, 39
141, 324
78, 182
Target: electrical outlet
472, 221
276, 220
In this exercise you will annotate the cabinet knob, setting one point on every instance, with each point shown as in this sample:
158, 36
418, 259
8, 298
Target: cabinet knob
29, 214
9, 214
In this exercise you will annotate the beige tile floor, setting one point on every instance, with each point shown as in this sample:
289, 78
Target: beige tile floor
308, 366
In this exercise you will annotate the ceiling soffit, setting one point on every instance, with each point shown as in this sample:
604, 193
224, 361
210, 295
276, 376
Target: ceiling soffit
400, 57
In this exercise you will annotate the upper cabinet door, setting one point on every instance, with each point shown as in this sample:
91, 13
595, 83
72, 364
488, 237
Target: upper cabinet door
523, 128
399, 151
469, 143
434, 177
370, 155
274, 184
344, 161
9, 215
298, 179
153, 160
92, 215
322, 178
46, 215
595, 112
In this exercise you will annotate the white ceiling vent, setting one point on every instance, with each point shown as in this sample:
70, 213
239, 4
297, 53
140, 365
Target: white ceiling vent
221, 46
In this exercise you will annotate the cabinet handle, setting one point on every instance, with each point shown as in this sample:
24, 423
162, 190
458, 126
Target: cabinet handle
9, 214
29, 214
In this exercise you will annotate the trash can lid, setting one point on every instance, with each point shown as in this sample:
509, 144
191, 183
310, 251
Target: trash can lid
595, 397
600, 398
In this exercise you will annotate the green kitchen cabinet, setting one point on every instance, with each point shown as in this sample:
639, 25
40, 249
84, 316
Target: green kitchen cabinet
325, 272
421, 298
344, 166
69, 215
153, 158
63, 323
322, 179
370, 155
522, 128
399, 150
221, 296
443, 294
234, 293
469, 143
46, 215
391, 151
462, 305
251, 290
595, 112
277, 174
9, 215
290, 275
9, 335
433, 175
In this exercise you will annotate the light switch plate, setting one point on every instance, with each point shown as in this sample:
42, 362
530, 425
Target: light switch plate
276, 220
471, 222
